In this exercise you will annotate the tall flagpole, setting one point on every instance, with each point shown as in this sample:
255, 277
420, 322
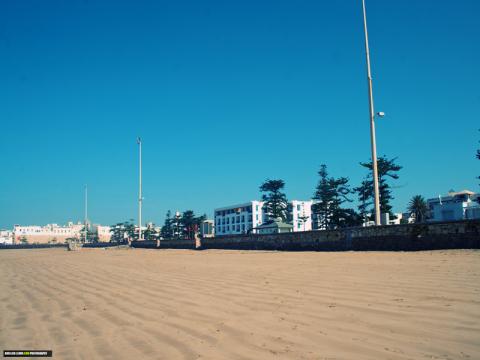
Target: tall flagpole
372, 122
139, 142
86, 213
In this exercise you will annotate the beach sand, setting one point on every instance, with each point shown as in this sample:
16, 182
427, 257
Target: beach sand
180, 304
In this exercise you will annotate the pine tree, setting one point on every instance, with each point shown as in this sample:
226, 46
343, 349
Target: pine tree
330, 194
387, 168
365, 202
275, 200
190, 224
167, 228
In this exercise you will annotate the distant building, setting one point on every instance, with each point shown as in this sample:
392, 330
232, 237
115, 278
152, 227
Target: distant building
50, 233
300, 213
239, 219
242, 218
276, 226
103, 232
402, 218
454, 206
207, 228
6, 237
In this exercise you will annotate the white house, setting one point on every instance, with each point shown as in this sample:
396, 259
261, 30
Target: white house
454, 206
242, 218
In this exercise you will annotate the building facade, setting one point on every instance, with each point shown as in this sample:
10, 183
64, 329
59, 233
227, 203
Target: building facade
6, 237
207, 228
50, 233
103, 232
243, 218
301, 215
239, 219
454, 206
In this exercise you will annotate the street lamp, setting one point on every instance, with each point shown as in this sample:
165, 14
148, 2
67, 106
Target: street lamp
372, 122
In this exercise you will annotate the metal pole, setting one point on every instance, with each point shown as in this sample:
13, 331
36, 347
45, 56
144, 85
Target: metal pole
86, 213
372, 122
139, 142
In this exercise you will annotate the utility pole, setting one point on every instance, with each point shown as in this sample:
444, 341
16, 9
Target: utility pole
86, 214
372, 122
140, 199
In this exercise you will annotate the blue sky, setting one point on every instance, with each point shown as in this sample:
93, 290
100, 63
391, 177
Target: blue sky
225, 95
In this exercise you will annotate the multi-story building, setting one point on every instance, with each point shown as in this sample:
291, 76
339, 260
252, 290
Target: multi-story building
6, 237
454, 206
246, 217
103, 232
301, 215
239, 219
46, 234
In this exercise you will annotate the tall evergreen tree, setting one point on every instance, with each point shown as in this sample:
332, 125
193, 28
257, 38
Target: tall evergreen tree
330, 194
190, 224
275, 199
150, 233
365, 199
387, 169
167, 228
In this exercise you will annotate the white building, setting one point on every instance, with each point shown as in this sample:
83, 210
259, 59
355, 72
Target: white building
6, 237
34, 234
239, 219
103, 232
301, 213
242, 218
207, 228
454, 206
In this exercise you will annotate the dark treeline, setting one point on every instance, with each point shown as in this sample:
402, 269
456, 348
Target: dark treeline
333, 195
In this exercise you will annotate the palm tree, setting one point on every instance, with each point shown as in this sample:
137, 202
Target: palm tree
418, 207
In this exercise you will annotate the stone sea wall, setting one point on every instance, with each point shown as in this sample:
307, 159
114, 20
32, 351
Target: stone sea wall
408, 237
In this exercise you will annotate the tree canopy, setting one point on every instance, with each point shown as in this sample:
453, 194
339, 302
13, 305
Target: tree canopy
387, 170
418, 207
275, 199
330, 194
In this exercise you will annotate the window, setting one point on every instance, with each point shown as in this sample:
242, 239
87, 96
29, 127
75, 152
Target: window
228, 220
243, 218
228, 228
298, 207
238, 219
256, 217
243, 227
238, 227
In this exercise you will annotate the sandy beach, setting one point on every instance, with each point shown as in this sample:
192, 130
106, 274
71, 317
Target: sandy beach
180, 304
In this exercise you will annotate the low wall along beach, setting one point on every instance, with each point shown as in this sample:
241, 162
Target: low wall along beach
408, 237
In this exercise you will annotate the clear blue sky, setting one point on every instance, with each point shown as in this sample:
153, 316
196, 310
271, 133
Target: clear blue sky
226, 94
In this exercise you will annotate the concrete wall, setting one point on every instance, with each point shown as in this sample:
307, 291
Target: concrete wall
408, 237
